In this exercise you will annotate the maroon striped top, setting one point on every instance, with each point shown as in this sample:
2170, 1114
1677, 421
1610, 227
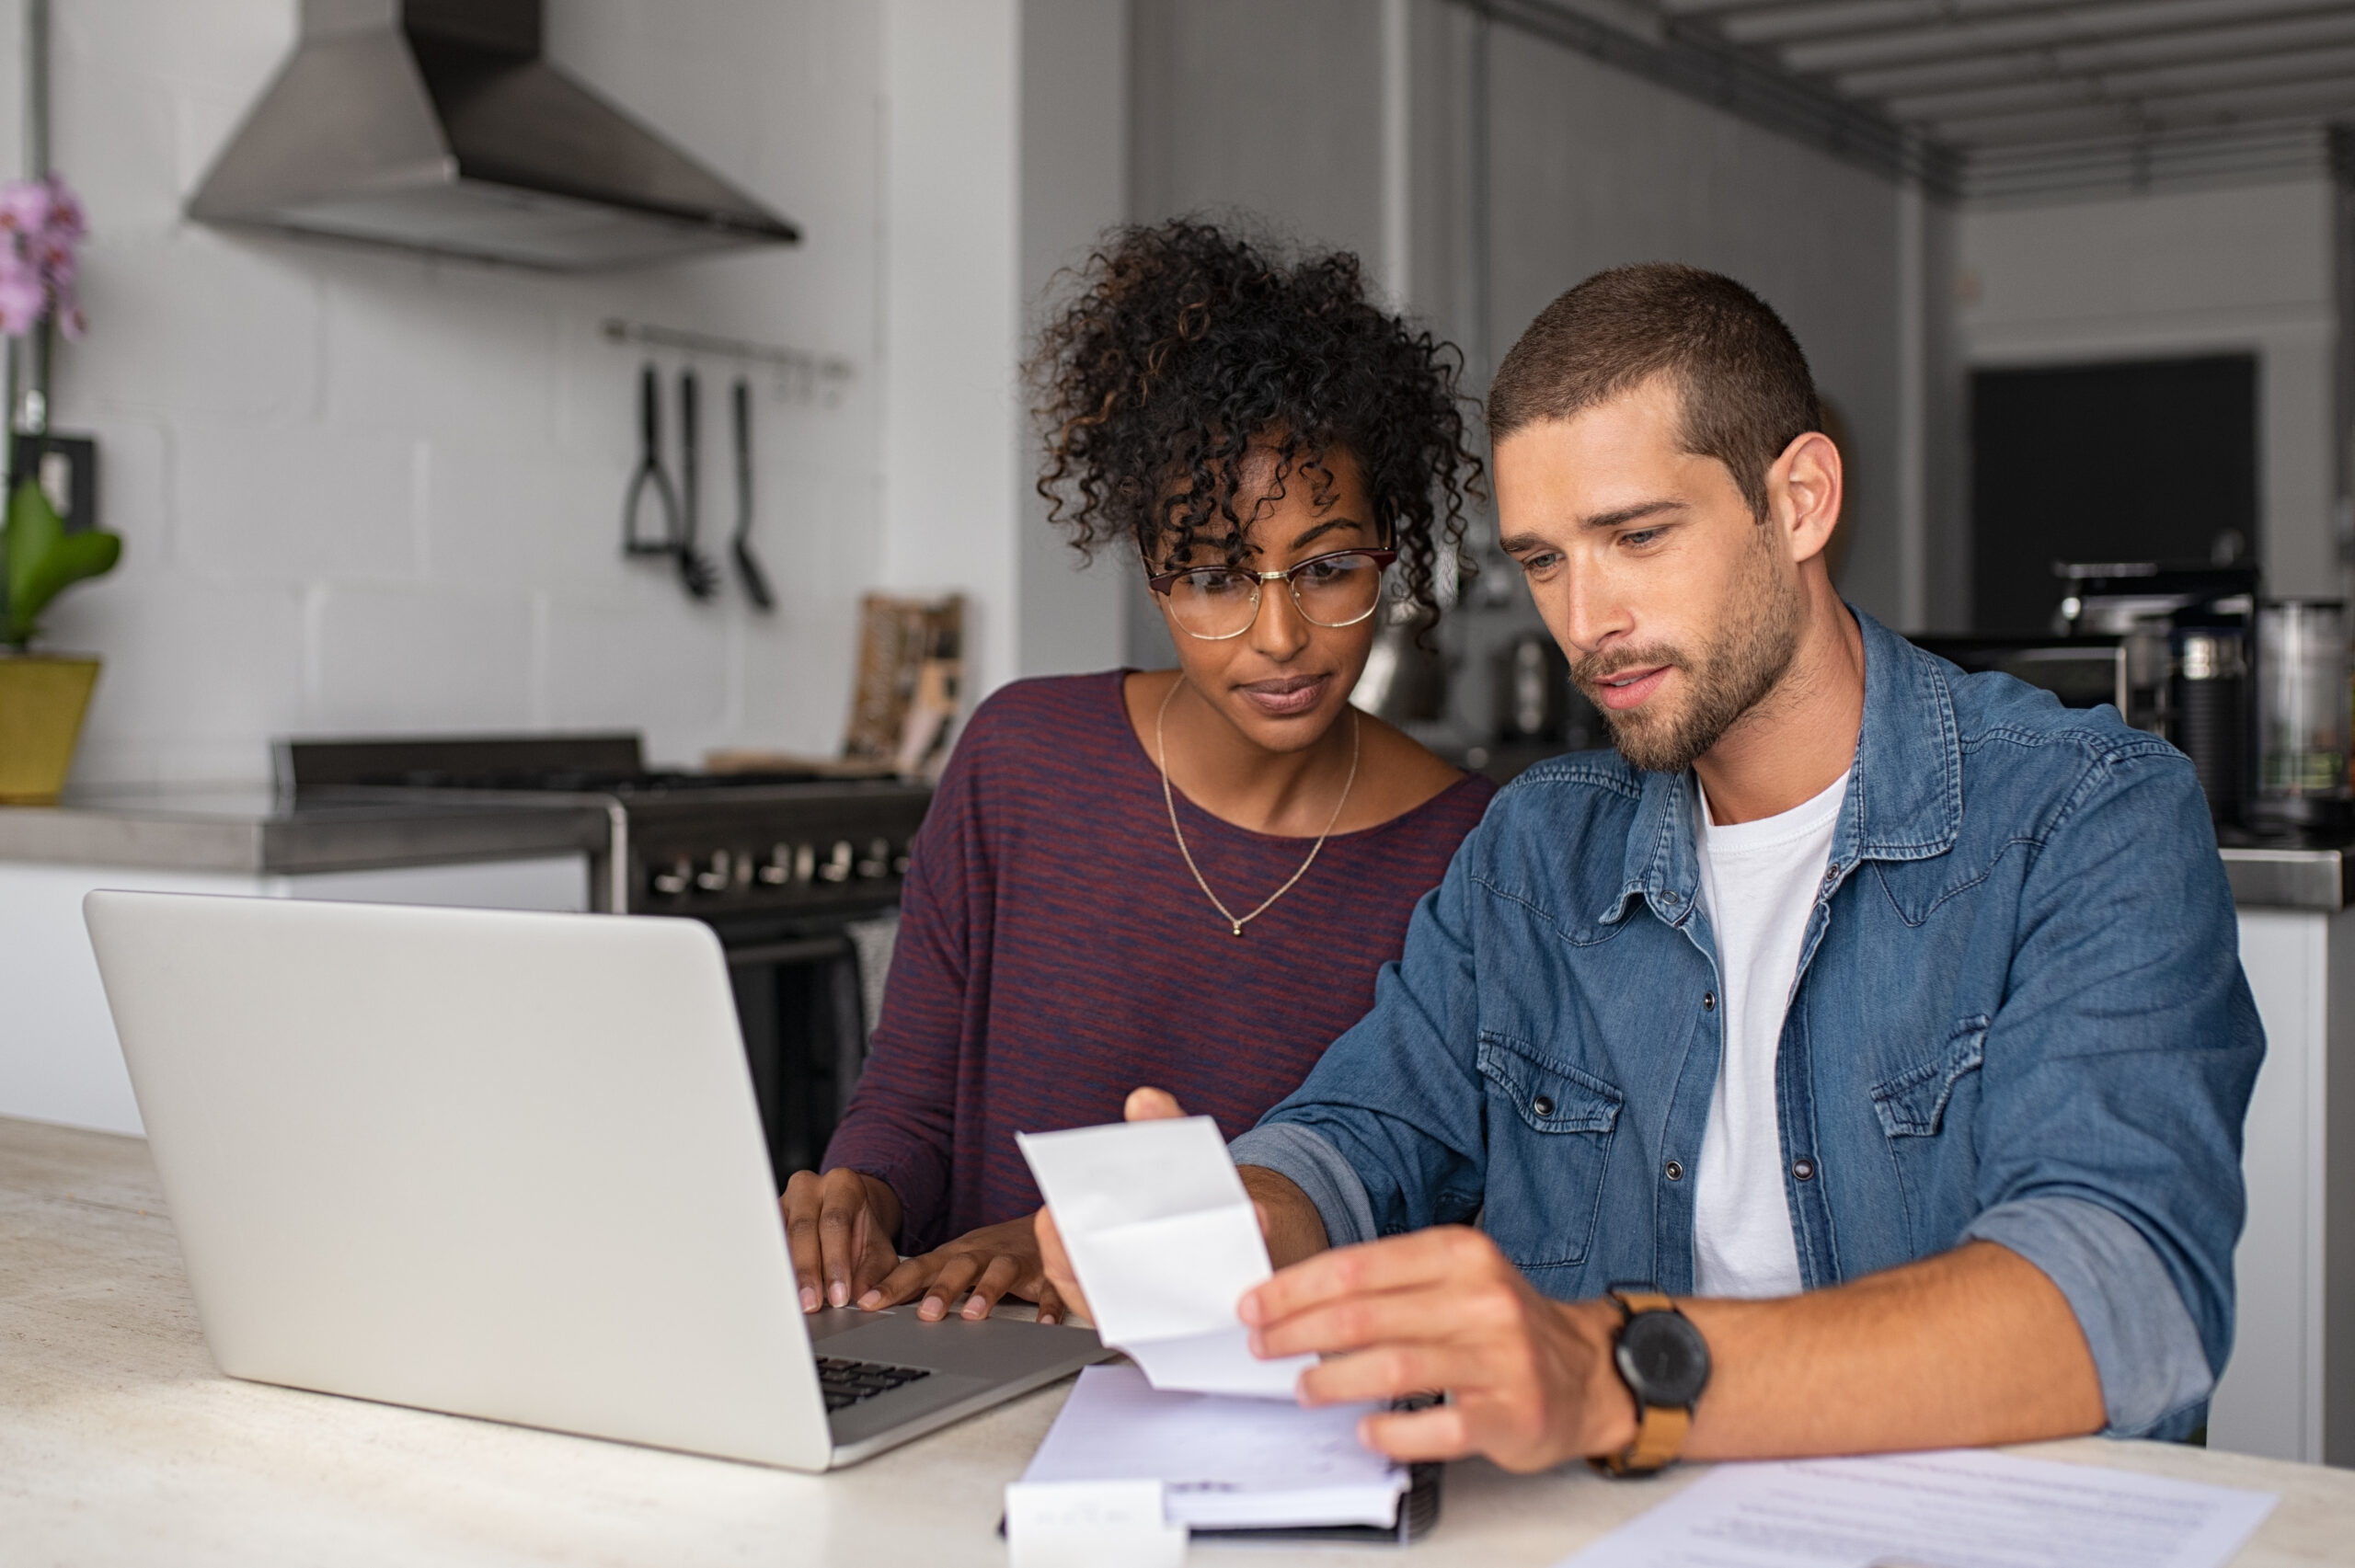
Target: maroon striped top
1054, 954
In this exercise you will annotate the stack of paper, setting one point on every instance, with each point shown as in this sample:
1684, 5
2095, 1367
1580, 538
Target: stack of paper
1165, 1242
1224, 1462
1958, 1509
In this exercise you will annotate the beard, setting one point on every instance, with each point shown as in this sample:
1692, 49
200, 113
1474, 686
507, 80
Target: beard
1730, 676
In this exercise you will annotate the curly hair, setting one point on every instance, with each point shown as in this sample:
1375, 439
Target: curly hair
1188, 346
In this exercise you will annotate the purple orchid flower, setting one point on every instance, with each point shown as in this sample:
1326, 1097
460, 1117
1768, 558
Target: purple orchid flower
42, 226
22, 297
65, 217
24, 206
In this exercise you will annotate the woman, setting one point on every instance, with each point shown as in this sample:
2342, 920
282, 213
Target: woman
1186, 877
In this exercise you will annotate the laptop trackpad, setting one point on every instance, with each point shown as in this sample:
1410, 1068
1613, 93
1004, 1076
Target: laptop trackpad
1001, 1349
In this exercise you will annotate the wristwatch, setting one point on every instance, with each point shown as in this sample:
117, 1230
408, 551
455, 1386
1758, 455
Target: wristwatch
1665, 1363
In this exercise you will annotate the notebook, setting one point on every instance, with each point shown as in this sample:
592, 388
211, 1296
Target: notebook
1236, 1463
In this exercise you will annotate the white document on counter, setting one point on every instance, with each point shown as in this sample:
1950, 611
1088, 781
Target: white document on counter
1223, 1463
1964, 1508
1165, 1242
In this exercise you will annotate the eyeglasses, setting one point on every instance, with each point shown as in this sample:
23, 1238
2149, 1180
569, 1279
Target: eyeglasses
1217, 602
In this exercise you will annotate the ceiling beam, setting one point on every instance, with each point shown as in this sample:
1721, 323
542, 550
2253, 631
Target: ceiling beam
2092, 22
2320, 68
2211, 44
2215, 111
1740, 82
1892, 13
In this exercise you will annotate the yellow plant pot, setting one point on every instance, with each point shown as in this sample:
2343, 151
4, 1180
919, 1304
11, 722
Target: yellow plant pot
42, 700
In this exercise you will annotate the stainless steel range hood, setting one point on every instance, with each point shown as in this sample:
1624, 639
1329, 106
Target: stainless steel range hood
436, 125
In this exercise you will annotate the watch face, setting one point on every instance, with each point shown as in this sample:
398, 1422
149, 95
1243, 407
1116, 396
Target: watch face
1663, 1359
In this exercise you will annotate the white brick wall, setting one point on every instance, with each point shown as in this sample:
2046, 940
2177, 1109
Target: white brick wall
361, 490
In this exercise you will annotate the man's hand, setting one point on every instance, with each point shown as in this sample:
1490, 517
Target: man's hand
840, 1228
1531, 1380
995, 1261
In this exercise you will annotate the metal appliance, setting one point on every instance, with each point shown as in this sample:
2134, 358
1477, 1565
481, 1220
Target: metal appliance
2145, 604
2190, 661
438, 125
2083, 674
2167, 644
2302, 714
780, 865
1405, 678
1537, 702
2208, 719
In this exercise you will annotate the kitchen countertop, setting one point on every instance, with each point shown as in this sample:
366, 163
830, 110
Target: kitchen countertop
119, 1442
256, 832
2316, 876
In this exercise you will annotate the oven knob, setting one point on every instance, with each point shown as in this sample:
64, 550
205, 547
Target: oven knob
805, 863
721, 874
879, 860
840, 864
900, 864
675, 881
777, 870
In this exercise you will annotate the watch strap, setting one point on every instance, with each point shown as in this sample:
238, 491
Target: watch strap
1660, 1429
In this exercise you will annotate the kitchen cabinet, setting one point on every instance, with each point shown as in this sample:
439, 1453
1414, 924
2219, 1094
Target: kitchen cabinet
2289, 1391
58, 1061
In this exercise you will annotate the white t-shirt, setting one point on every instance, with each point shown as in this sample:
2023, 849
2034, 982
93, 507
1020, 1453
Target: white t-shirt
1759, 881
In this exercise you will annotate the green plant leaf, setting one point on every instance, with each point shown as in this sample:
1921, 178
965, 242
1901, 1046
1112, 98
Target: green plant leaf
43, 559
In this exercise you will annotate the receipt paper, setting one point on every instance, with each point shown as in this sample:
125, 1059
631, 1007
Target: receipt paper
1165, 1242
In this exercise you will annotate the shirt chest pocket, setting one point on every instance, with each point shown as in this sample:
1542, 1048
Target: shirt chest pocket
1550, 1130
1915, 1103
1927, 1113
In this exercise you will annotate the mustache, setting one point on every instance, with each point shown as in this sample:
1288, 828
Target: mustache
1597, 668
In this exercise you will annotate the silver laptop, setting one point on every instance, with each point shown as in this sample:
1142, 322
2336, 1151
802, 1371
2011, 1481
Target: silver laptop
505, 1166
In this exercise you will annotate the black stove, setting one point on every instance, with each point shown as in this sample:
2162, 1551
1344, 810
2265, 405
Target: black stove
576, 781
782, 865
705, 844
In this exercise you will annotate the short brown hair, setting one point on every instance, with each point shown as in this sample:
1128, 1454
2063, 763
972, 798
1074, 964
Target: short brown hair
1745, 384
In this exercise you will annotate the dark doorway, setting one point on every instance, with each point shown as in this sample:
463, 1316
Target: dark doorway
2151, 459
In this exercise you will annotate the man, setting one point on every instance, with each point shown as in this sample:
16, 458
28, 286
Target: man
1874, 1029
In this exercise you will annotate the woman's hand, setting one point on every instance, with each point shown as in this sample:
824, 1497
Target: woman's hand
995, 1261
839, 1227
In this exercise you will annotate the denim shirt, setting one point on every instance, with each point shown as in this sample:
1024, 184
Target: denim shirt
2020, 1016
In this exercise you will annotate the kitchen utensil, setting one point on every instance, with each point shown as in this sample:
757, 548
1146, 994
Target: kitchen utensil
696, 570
2208, 689
747, 566
2302, 715
650, 478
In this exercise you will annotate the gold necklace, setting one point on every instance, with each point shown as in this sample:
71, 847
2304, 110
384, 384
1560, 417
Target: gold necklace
1169, 799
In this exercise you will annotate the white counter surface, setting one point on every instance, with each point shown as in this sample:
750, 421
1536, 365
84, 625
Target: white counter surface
120, 1443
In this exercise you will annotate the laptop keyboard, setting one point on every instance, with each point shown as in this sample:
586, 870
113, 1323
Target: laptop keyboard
847, 1382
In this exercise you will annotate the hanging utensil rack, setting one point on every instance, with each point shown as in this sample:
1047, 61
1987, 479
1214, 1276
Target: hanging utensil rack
800, 374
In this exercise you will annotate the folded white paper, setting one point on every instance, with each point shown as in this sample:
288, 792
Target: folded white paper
1165, 1242
1220, 1462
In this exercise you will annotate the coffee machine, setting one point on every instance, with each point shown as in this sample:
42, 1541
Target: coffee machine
2190, 653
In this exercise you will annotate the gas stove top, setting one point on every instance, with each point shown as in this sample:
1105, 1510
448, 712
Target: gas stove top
713, 846
577, 781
